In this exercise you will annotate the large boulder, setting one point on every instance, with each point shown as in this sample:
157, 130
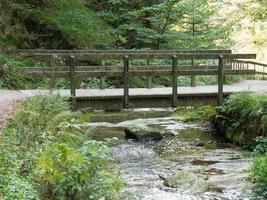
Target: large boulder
145, 133
186, 180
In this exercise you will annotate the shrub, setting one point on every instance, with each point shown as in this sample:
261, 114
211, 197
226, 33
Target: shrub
69, 173
45, 154
12, 78
259, 176
15, 187
30, 123
242, 117
261, 146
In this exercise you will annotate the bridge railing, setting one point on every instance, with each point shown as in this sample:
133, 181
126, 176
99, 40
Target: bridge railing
259, 68
72, 71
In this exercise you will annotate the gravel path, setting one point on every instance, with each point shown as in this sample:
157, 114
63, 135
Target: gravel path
9, 103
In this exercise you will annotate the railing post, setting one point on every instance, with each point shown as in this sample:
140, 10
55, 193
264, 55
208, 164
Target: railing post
102, 79
149, 78
220, 80
72, 82
224, 75
53, 77
255, 72
193, 77
174, 81
126, 82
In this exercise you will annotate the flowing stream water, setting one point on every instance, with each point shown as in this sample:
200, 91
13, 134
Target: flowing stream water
192, 149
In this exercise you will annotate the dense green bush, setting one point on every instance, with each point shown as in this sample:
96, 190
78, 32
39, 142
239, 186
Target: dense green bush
46, 155
12, 78
259, 168
69, 173
242, 118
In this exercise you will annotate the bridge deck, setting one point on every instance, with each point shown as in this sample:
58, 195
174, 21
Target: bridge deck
257, 86
112, 99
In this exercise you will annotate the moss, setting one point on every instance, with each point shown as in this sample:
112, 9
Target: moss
186, 180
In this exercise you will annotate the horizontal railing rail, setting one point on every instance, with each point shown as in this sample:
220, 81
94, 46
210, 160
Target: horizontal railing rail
30, 52
108, 71
144, 55
260, 68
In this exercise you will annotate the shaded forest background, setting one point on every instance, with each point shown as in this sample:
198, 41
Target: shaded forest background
239, 25
153, 24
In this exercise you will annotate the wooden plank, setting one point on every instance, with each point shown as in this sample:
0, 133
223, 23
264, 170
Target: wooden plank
126, 82
220, 80
35, 52
140, 73
174, 81
148, 55
113, 68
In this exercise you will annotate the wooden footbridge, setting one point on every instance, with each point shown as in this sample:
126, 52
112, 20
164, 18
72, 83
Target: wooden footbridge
80, 64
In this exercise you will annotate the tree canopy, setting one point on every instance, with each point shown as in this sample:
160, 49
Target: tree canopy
105, 24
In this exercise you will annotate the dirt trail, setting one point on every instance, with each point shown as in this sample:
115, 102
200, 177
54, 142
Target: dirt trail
9, 103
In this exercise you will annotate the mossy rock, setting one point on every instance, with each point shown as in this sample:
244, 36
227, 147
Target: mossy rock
187, 181
102, 132
144, 133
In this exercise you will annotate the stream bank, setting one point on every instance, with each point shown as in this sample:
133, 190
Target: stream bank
192, 163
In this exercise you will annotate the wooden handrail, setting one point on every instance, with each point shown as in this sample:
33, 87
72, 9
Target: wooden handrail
125, 71
250, 62
52, 51
146, 55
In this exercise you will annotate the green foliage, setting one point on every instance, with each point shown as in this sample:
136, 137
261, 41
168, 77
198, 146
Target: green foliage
195, 29
30, 123
9, 75
82, 26
162, 24
257, 9
261, 145
70, 173
46, 155
259, 176
203, 114
19, 188
259, 168
242, 117
12, 78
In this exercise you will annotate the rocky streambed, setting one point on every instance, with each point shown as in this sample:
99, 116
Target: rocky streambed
183, 161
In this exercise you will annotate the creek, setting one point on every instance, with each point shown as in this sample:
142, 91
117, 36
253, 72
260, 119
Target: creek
191, 163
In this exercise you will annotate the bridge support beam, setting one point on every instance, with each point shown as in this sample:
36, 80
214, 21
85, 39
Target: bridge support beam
72, 82
126, 82
220, 80
174, 81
